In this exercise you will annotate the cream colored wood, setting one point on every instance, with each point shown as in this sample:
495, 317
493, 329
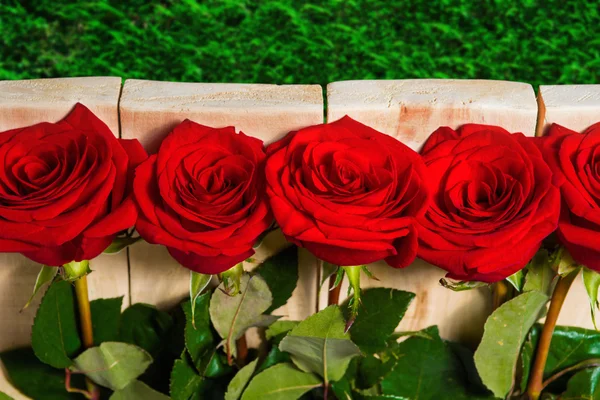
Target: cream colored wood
575, 107
149, 110
24, 103
411, 110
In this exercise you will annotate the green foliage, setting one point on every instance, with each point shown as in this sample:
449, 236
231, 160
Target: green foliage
381, 311
113, 364
280, 382
145, 326
199, 338
540, 274
106, 315
286, 41
591, 281
4, 396
198, 282
320, 344
233, 315
54, 337
570, 346
185, 381
33, 378
583, 385
428, 369
504, 333
239, 381
280, 272
46, 275
137, 390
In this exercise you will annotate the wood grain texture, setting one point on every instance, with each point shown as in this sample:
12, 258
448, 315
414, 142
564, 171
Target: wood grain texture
575, 107
24, 103
150, 110
410, 110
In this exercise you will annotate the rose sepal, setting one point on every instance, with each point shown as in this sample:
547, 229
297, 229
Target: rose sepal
75, 270
232, 279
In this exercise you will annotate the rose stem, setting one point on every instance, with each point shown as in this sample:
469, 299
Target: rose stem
500, 291
242, 350
334, 292
535, 387
85, 321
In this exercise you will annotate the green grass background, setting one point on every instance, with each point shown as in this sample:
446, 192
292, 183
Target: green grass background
297, 41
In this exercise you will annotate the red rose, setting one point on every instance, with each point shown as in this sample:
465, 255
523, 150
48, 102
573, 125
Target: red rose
347, 193
575, 162
203, 196
64, 188
493, 202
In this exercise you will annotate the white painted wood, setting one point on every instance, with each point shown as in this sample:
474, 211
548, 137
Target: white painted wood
24, 103
150, 110
410, 110
575, 107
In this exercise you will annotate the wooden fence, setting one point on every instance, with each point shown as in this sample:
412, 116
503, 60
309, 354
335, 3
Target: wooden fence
406, 109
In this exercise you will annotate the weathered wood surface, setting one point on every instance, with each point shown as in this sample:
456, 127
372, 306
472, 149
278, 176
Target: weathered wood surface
24, 103
150, 110
410, 110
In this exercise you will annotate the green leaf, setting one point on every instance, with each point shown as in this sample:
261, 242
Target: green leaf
372, 370
320, 344
199, 338
540, 275
106, 314
570, 346
280, 328
198, 282
280, 272
517, 280
280, 382
382, 310
239, 381
137, 390
427, 369
120, 243
327, 270
113, 364
185, 381
46, 275
591, 281
4, 396
232, 315
54, 337
459, 286
145, 326
584, 385
275, 356
504, 334
33, 378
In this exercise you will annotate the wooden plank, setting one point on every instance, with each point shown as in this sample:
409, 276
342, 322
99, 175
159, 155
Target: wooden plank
411, 110
150, 110
24, 103
576, 107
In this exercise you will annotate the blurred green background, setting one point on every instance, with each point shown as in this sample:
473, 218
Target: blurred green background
297, 41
